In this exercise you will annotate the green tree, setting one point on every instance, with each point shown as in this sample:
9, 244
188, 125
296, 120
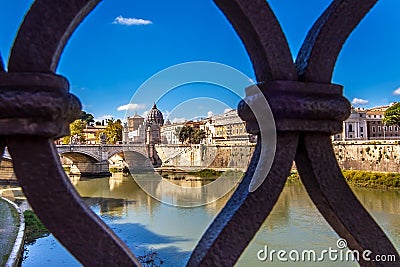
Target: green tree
113, 131
76, 132
392, 115
87, 117
184, 133
187, 134
196, 136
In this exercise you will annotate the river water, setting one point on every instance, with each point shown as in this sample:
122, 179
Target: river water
147, 225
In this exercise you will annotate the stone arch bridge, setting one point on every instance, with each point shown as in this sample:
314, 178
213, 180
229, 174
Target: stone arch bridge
92, 160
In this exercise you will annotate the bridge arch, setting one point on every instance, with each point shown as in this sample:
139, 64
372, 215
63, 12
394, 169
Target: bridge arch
80, 156
86, 164
112, 153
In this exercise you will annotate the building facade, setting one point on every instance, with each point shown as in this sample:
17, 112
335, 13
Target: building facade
169, 132
229, 129
376, 128
367, 124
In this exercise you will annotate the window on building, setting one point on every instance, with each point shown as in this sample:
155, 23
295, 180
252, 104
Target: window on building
379, 122
380, 135
374, 116
373, 129
379, 128
395, 128
360, 115
351, 136
384, 128
362, 135
361, 129
350, 128
373, 135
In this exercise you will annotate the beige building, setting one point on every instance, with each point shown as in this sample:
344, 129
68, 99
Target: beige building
90, 133
367, 124
134, 122
375, 127
228, 128
168, 132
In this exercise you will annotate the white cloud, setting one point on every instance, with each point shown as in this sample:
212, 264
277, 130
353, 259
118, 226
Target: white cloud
131, 21
209, 114
397, 91
131, 106
359, 101
175, 120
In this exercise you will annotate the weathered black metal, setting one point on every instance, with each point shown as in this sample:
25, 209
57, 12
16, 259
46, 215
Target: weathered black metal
35, 108
44, 33
1, 64
311, 113
298, 106
36, 104
317, 56
315, 111
62, 210
262, 35
237, 223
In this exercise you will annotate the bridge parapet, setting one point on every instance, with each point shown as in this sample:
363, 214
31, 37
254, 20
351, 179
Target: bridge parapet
102, 152
92, 151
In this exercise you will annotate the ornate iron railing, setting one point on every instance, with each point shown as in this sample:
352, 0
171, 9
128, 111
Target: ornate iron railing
35, 108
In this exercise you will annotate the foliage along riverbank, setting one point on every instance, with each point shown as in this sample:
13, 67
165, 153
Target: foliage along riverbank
34, 227
389, 180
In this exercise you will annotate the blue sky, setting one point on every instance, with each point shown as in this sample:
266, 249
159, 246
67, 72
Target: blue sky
123, 43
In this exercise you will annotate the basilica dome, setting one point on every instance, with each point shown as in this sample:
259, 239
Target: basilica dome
155, 116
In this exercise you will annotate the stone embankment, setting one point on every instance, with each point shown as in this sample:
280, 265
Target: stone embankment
206, 156
12, 229
377, 156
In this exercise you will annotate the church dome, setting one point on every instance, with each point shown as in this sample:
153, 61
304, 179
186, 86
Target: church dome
155, 116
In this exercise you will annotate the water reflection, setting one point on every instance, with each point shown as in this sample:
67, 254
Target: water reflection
145, 223
187, 193
296, 224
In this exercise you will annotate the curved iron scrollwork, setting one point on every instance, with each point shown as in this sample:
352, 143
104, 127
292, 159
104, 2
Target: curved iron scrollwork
29, 93
315, 110
30, 89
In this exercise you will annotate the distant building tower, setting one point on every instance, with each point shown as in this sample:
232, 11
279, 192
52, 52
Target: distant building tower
153, 123
134, 122
155, 116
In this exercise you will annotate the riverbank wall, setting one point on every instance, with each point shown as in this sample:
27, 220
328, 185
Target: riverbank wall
206, 156
7, 174
368, 156
12, 224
